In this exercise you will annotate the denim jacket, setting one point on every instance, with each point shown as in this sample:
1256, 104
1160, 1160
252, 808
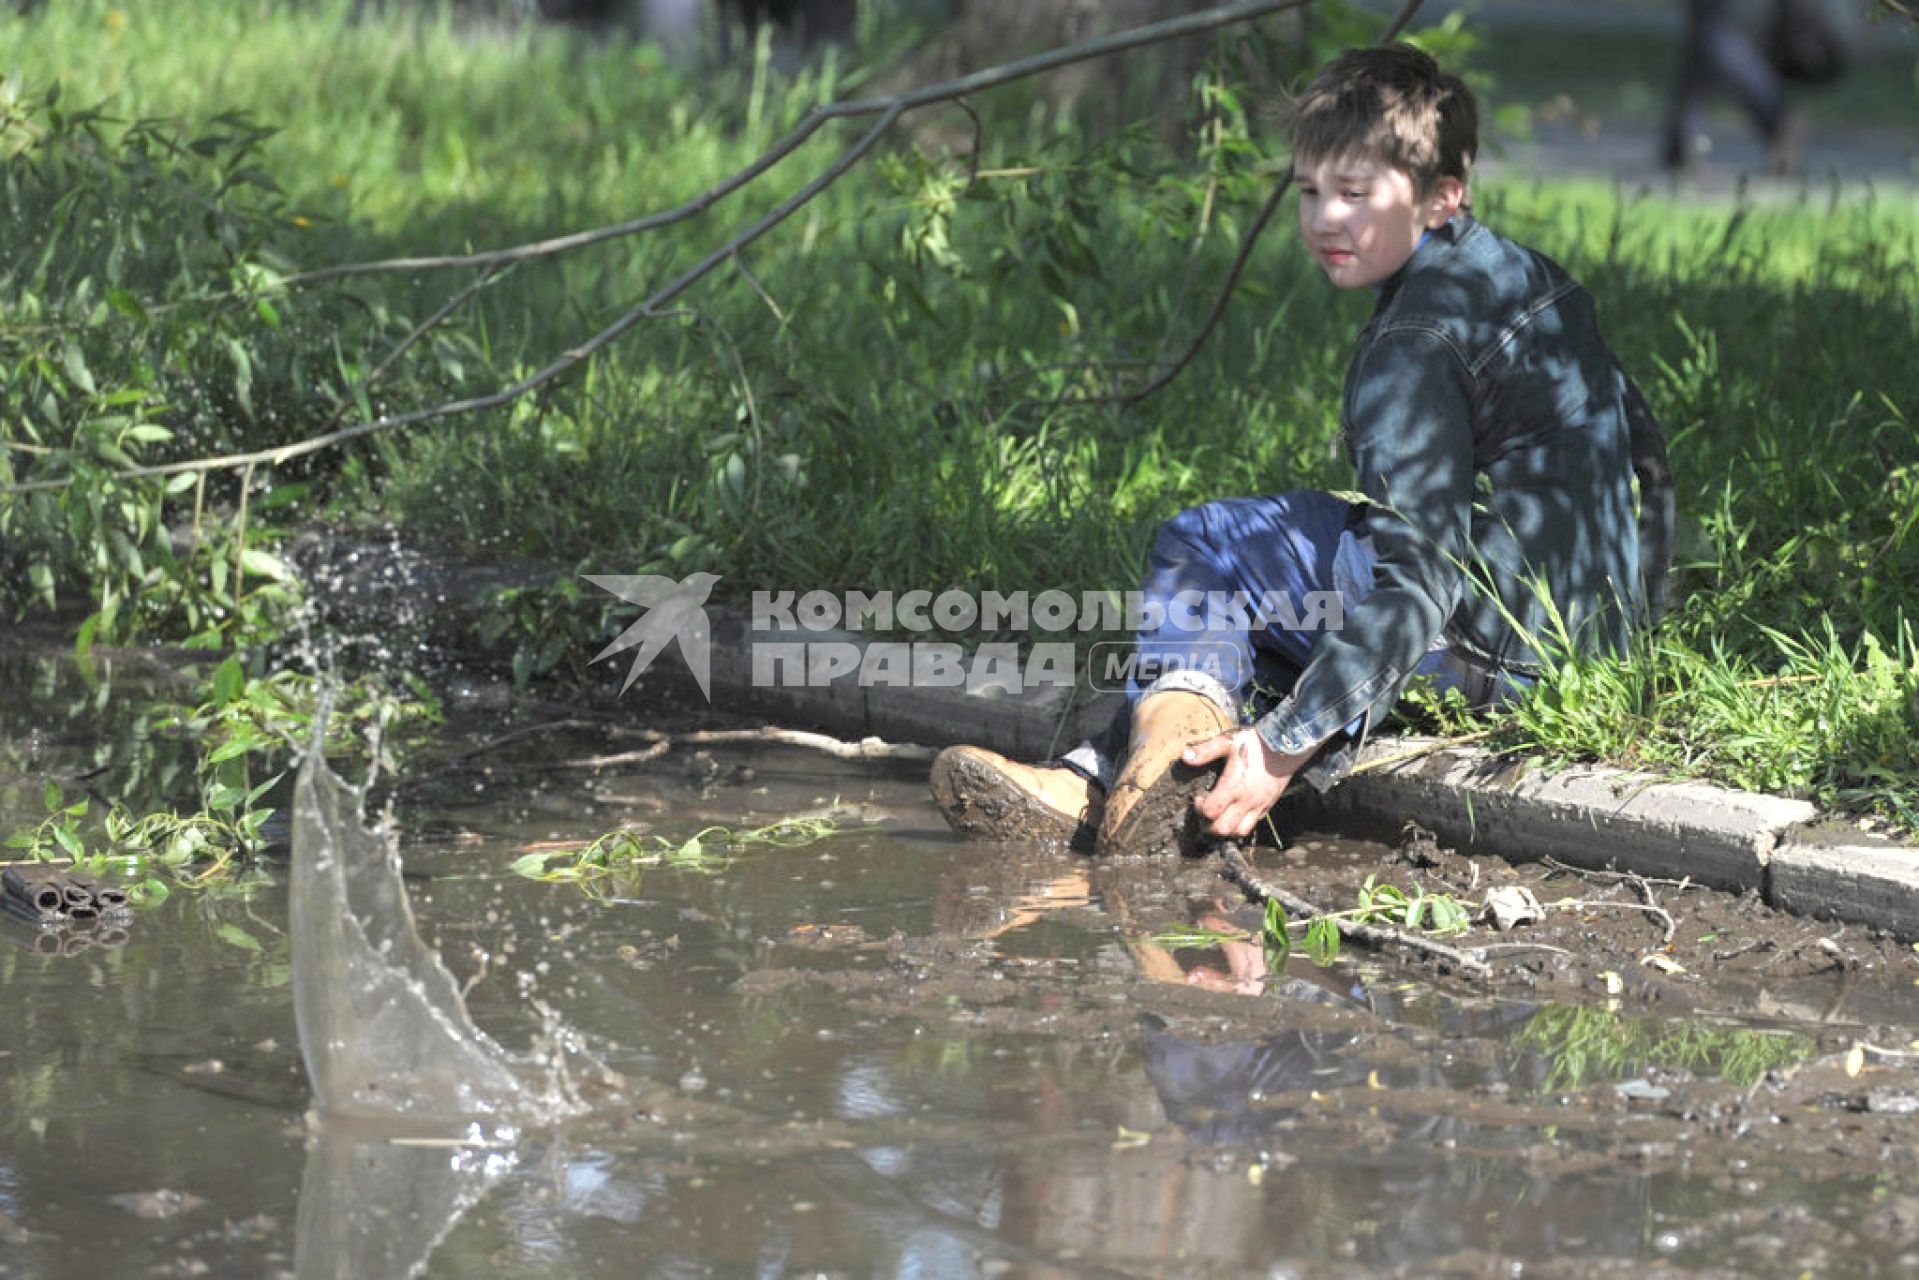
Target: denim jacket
1497, 441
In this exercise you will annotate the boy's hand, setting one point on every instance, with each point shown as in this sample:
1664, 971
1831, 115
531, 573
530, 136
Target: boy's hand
1255, 778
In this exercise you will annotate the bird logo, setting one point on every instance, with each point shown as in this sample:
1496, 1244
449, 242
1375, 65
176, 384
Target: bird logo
675, 611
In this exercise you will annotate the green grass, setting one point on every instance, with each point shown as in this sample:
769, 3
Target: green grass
884, 394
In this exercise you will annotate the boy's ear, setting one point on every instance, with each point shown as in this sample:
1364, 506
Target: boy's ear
1443, 201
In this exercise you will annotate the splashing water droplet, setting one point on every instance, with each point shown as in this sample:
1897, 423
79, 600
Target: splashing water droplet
382, 1026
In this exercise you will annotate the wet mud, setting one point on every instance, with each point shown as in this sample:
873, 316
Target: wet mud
896, 1051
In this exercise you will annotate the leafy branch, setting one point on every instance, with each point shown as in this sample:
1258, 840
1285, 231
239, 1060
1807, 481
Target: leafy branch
230, 828
1383, 905
244, 722
1383, 937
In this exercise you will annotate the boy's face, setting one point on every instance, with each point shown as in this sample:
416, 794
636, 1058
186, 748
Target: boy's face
1362, 218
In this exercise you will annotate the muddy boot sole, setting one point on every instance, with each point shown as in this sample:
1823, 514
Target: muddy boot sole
979, 801
1163, 820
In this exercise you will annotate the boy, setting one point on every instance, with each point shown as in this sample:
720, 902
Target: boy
1496, 441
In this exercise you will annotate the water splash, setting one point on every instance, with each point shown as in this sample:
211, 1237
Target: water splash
382, 1026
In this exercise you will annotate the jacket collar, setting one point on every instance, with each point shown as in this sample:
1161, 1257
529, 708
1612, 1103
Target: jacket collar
1432, 246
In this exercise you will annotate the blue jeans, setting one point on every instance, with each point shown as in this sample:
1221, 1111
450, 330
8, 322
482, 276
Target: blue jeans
1237, 593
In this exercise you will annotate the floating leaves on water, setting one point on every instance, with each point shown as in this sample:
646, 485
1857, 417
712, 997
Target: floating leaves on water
1190, 937
707, 850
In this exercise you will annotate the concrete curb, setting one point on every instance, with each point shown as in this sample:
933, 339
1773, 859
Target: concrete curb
1592, 817
1848, 875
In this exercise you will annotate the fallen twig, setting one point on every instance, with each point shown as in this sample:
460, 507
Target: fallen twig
1682, 884
1379, 937
1645, 891
1720, 957
1582, 904
644, 755
521, 734
1522, 946
662, 743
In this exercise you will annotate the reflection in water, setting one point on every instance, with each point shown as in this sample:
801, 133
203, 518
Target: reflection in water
1216, 1092
1581, 1044
372, 1204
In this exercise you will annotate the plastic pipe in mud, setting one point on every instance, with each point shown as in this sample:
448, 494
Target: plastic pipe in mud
28, 913
38, 891
74, 894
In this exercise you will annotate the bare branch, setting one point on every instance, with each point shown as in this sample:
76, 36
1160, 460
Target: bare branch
432, 322
945, 91
649, 309
864, 749
888, 110
1909, 14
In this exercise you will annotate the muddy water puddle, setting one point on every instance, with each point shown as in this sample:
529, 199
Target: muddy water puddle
890, 1052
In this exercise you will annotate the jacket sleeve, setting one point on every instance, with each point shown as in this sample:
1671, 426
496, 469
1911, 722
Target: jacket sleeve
1657, 510
1411, 436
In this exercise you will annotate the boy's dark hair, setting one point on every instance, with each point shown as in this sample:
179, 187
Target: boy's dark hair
1390, 103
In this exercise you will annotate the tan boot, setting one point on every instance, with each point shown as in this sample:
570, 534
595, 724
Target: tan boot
1150, 809
992, 798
